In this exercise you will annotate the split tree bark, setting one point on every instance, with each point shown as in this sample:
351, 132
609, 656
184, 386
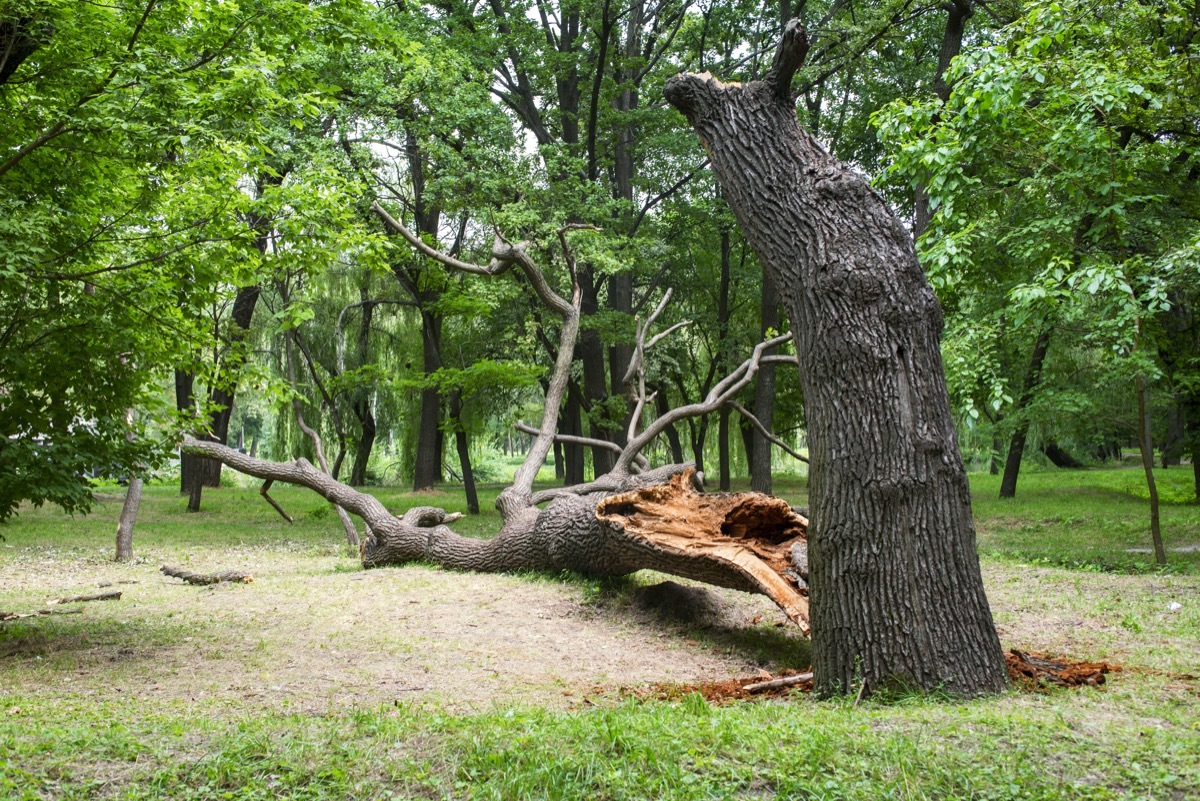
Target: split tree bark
898, 598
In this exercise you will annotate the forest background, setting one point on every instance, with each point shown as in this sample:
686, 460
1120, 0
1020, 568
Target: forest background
187, 241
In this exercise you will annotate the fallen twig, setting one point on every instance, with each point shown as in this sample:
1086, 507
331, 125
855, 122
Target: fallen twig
775, 684
7, 616
207, 578
115, 595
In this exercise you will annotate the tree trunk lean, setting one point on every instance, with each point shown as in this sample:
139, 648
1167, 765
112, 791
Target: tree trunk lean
129, 513
897, 594
1146, 446
1016, 448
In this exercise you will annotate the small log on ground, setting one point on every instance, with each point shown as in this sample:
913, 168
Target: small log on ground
114, 595
207, 578
776, 684
7, 616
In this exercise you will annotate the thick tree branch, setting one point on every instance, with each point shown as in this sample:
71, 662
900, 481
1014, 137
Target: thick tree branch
789, 57
300, 472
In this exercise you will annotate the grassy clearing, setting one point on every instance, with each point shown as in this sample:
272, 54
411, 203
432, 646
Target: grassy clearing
173, 693
1088, 519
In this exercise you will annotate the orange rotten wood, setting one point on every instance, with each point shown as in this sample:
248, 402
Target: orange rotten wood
751, 533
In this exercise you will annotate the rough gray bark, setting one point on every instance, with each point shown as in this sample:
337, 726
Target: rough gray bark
655, 520
898, 598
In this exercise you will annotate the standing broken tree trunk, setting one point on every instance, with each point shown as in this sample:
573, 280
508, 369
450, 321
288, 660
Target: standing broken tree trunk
129, 513
129, 509
897, 595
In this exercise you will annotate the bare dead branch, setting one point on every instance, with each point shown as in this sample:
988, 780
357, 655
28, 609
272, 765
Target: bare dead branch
300, 472
641, 463
504, 255
347, 524
775, 684
723, 391
264, 491
754, 421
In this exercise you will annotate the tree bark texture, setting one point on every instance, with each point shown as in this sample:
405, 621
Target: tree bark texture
595, 380
897, 595
129, 513
428, 467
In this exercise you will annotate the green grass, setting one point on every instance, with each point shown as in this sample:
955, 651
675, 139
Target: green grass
1089, 519
1064, 745
1137, 737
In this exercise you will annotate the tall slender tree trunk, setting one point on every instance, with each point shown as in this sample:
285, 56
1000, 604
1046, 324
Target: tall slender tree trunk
662, 406
957, 14
723, 467
1146, 445
428, 467
1016, 447
464, 452
764, 393
366, 442
361, 404
595, 380
897, 594
129, 513
572, 425
185, 404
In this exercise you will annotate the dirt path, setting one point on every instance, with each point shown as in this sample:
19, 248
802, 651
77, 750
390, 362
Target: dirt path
315, 633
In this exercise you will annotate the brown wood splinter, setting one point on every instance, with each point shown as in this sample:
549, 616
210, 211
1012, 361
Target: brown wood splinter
747, 534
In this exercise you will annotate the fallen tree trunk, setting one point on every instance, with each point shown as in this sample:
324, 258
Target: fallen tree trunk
658, 520
629, 519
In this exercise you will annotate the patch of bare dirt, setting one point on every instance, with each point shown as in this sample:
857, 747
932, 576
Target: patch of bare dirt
314, 633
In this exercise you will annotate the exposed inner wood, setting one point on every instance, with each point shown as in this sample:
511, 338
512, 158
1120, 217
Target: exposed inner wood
749, 532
